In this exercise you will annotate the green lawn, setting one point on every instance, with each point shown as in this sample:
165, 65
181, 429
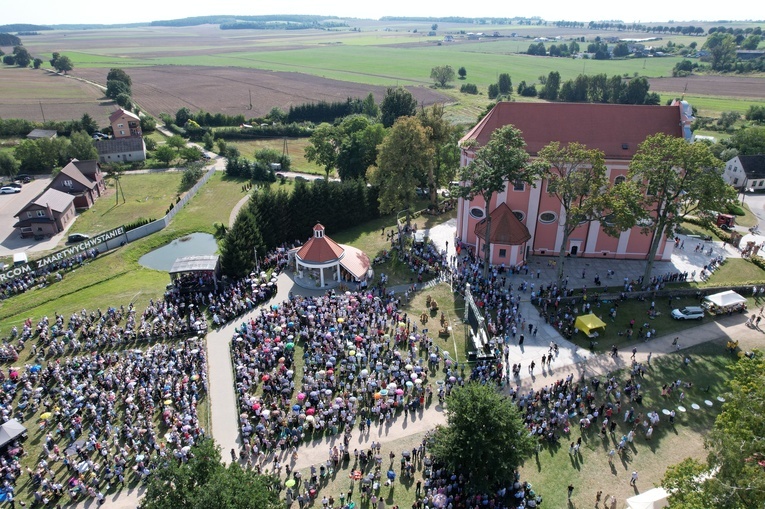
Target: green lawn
147, 196
295, 149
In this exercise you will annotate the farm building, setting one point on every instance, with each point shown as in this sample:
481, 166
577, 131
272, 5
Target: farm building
615, 129
120, 150
40, 134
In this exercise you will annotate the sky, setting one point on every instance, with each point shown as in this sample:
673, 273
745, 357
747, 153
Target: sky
48, 12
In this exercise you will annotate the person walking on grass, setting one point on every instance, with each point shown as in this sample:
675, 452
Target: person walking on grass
570, 490
634, 478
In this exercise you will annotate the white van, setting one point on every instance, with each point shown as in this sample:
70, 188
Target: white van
688, 313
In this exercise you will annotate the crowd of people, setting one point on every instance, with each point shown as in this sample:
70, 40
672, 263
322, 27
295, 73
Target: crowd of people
41, 277
363, 360
98, 417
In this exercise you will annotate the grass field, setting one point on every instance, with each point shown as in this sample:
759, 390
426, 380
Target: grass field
295, 149
147, 196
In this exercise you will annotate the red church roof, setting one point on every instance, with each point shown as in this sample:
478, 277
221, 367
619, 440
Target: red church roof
320, 249
505, 227
615, 129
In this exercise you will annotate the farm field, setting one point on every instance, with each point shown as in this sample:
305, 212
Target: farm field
227, 89
39, 95
215, 70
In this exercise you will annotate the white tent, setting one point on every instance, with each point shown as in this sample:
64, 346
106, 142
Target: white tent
726, 299
10, 431
651, 499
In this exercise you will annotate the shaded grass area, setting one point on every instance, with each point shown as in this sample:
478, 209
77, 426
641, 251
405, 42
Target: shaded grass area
735, 271
616, 333
371, 239
553, 469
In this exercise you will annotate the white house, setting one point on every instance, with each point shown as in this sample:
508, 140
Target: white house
746, 172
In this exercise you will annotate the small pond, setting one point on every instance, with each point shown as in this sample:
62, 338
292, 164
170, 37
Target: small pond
196, 244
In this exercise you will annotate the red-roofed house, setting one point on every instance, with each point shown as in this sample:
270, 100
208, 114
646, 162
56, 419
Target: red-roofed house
615, 129
322, 254
127, 144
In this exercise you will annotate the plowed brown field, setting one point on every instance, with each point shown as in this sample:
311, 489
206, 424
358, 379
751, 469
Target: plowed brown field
227, 90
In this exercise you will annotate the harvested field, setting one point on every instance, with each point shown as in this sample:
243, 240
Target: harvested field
227, 89
34, 94
720, 86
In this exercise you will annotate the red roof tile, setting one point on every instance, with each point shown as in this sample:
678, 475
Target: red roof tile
505, 227
606, 127
320, 250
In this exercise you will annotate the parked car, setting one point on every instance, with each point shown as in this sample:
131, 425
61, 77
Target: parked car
23, 177
688, 313
77, 237
9, 190
17, 185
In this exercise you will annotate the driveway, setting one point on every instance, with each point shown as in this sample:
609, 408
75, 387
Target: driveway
10, 239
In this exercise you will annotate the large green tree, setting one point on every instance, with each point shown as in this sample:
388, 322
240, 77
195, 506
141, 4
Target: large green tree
733, 476
115, 88
502, 161
81, 146
240, 245
323, 146
177, 142
41, 155
442, 74
484, 438
203, 482
398, 102
680, 179
165, 154
576, 176
22, 56
403, 160
360, 138
722, 50
117, 74
749, 141
63, 64
446, 154
9, 165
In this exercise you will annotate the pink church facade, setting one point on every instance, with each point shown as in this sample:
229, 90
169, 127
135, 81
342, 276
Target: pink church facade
616, 130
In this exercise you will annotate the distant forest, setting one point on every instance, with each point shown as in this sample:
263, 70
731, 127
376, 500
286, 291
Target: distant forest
227, 20
22, 27
9, 40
